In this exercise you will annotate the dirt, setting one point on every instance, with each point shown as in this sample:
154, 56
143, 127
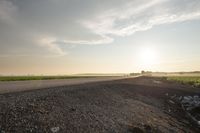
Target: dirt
18, 86
134, 105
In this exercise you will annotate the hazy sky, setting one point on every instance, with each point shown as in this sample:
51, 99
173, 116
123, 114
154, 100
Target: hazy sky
98, 36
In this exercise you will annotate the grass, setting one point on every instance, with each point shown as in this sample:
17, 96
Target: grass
192, 80
22, 78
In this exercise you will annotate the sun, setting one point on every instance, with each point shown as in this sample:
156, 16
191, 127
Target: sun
148, 57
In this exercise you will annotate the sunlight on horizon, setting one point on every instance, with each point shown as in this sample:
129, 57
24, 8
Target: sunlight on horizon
148, 57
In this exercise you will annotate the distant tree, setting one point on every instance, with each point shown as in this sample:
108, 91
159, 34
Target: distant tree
147, 73
142, 72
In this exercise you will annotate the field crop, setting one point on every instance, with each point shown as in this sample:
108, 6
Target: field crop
21, 78
194, 81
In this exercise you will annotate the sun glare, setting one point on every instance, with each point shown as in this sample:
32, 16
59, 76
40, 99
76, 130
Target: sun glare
148, 57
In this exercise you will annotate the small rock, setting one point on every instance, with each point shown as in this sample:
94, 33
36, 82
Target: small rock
173, 96
180, 98
55, 129
171, 101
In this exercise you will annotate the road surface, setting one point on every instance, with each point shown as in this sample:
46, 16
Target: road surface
15, 86
133, 105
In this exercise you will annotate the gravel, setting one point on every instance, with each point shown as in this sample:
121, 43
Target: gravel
132, 105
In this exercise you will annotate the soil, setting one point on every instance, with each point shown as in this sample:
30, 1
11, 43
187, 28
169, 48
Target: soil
134, 105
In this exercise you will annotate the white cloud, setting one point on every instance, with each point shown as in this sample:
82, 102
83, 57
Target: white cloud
133, 16
101, 25
50, 44
142, 16
104, 40
170, 18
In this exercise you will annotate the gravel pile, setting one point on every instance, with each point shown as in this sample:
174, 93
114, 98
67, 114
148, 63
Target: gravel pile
191, 104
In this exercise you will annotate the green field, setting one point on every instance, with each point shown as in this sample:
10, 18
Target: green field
192, 80
21, 78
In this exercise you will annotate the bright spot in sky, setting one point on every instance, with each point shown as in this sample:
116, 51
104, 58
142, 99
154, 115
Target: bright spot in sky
148, 57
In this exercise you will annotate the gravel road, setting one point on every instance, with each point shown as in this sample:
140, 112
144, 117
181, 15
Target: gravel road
133, 105
16, 86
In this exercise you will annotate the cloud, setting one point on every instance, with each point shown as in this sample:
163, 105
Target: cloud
133, 16
7, 10
142, 16
91, 22
50, 44
103, 40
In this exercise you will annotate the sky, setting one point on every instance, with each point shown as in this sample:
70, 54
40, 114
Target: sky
98, 36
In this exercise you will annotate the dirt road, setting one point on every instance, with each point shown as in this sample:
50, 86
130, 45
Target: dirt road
16, 86
134, 105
